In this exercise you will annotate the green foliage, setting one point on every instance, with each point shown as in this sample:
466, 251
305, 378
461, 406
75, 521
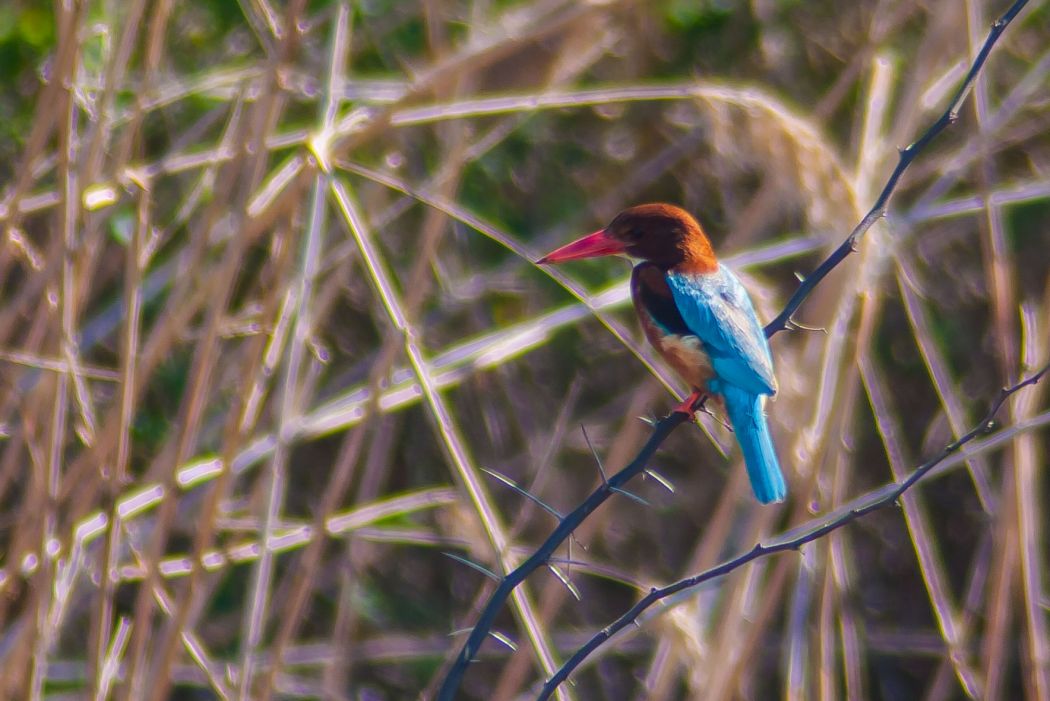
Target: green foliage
26, 39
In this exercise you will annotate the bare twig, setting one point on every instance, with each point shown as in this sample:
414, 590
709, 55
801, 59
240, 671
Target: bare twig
907, 155
664, 427
544, 552
794, 539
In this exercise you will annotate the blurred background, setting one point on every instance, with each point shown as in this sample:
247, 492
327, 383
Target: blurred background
268, 306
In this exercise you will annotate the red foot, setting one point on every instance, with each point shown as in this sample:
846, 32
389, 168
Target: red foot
691, 403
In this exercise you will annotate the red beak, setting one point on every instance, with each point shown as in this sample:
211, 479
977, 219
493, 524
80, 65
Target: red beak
597, 244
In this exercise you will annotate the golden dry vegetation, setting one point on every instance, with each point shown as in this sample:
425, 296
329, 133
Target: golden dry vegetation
268, 308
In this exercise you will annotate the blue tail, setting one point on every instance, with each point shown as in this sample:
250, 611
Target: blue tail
752, 432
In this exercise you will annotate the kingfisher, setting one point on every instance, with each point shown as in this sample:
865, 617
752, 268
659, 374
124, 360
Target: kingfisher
698, 316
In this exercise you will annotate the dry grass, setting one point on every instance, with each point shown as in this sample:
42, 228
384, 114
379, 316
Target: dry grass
268, 309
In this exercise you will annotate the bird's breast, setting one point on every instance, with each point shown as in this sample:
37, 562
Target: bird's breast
687, 356
665, 328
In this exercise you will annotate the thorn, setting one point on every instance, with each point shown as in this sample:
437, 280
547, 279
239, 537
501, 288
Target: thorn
793, 325
464, 561
723, 422
523, 492
504, 639
648, 420
704, 410
629, 495
565, 580
661, 480
598, 460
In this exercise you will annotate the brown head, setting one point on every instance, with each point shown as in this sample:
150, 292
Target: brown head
660, 233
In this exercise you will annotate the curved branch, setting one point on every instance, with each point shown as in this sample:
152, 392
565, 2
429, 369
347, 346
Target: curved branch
802, 536
661, 430
664, 427
905, 158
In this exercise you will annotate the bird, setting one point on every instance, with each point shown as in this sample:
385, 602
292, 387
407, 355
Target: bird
697, 314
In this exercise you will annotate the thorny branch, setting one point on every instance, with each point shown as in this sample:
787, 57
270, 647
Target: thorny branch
904, 159
781, 543
663, 428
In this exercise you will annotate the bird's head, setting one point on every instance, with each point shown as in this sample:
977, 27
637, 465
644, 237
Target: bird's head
660, 233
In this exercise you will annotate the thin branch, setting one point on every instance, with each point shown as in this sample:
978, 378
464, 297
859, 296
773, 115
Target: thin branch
454, 444
543, 553
804, 534
907, 155
664, 427
291, 391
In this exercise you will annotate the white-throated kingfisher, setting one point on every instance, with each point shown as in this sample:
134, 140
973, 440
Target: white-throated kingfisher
698, 316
